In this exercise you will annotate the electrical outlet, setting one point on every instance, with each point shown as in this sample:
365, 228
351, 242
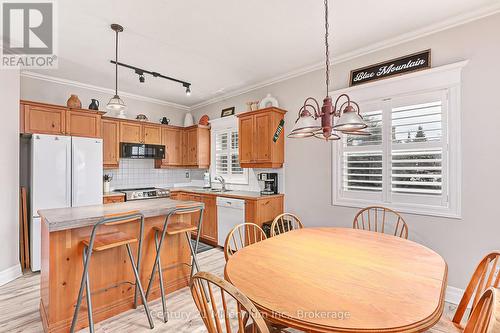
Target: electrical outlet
187, 174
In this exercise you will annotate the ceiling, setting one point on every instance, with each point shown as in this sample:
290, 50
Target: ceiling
225, 45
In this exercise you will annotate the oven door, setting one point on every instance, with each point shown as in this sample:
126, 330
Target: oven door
136, 150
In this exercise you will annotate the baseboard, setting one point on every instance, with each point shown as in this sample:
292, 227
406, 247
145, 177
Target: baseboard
10, 274
453, 295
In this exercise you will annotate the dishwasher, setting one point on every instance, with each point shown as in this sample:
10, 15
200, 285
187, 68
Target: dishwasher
230, 213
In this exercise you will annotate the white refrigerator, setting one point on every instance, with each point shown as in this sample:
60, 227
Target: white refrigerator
65, 172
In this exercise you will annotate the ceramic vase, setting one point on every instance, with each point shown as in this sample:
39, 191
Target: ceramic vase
188, 120
74, 102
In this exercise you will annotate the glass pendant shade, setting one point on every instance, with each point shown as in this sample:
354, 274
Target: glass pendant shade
305, 126
350, 121
116, 104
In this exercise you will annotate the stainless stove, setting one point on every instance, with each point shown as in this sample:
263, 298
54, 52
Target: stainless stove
144, 193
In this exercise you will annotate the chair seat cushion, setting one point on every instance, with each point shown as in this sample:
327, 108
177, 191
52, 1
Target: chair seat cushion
445, 325
111, 240
177, 228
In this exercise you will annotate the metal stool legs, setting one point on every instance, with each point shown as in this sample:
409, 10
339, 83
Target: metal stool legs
157, 263
87, 252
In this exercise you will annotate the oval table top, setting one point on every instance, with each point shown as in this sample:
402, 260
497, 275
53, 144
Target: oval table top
342, 280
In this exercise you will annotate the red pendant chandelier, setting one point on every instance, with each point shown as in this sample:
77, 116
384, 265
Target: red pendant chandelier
349, 120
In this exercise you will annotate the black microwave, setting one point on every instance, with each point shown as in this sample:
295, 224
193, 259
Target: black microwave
139, 150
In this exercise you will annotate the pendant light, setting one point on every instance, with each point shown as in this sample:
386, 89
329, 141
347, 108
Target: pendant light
116, 103
350, 120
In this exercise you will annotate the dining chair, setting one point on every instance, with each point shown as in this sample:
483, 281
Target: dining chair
242, 235
381, 219
485, 276
238, 314
285, 222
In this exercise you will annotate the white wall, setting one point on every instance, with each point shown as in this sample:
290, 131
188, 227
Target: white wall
308, 162
34, 89
9, 176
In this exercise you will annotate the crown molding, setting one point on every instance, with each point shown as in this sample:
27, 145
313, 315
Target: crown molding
82, 85
391, 42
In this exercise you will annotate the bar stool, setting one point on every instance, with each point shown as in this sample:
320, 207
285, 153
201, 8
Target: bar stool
102, 242
175, 229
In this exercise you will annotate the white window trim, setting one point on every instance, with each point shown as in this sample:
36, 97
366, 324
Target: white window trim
217, 125
447, 77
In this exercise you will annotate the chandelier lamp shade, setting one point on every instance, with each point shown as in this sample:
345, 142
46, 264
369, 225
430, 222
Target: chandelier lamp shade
349, 121
116, 103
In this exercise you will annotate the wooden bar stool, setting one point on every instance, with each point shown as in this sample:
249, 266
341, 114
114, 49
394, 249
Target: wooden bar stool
102, 242
175, 229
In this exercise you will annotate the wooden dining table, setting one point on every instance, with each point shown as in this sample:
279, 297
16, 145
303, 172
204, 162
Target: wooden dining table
342, 280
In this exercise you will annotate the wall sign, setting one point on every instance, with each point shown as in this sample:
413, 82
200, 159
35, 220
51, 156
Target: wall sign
399, 66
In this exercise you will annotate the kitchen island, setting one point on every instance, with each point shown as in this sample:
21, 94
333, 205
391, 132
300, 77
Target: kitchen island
111, 276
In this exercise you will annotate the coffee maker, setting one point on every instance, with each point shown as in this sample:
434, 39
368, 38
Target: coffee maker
270, 183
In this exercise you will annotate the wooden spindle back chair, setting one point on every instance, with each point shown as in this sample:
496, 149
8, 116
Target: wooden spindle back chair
225, 308
285, 222
381, 219
484, 277
480, 320
242, 235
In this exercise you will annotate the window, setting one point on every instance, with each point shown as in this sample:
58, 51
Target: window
225, 154
411, 160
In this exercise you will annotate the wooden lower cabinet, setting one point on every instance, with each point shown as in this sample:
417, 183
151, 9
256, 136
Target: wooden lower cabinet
209, 229
257, 210
263, 209
113, 199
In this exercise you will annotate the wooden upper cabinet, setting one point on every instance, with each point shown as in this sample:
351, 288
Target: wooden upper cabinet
43, 119
192, 147
171, 138
130, 132
58, 120
151, 134
256, 146
111, 143
245, 137
83, 123
262, 151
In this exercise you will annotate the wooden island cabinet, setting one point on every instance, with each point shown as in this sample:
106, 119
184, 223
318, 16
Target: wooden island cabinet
111, 277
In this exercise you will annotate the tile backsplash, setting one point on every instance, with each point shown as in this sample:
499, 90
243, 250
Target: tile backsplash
141, 173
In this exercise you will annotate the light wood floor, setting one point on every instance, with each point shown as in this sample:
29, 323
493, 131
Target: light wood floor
19, 302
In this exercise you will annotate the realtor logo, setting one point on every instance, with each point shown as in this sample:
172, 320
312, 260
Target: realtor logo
28, 35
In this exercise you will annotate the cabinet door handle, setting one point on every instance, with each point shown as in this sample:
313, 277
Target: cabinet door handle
266, 203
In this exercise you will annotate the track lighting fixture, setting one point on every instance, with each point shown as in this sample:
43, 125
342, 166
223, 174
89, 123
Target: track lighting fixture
141, 75
188, 89
141, 72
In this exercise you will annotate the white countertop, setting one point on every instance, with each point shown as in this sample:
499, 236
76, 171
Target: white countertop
76, 217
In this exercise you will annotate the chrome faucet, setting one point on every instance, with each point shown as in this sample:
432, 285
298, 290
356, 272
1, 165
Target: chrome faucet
222, 181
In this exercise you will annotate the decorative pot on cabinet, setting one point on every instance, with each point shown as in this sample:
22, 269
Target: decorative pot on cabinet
74, 102
94, 105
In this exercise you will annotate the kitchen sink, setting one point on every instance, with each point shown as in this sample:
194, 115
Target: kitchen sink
214, 190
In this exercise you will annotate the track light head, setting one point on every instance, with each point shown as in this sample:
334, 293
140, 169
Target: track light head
188, 91
142, 78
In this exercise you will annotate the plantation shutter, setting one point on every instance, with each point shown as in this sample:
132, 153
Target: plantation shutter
417, 146
227, 162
